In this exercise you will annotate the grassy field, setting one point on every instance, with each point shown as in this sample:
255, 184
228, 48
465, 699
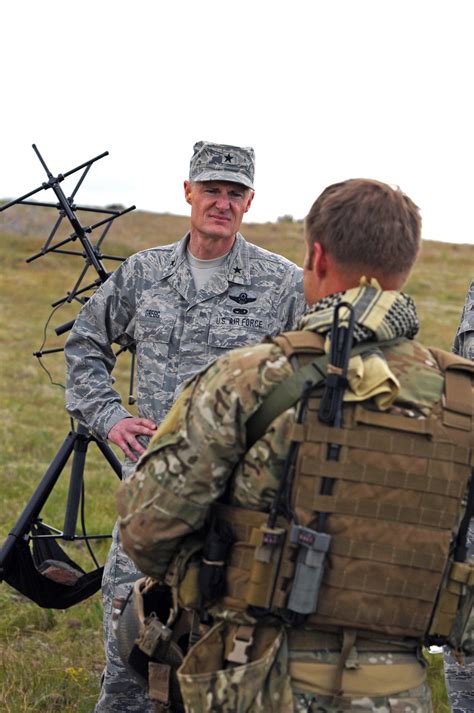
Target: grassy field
51, 660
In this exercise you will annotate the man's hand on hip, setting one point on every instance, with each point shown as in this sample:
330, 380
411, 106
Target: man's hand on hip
124, 433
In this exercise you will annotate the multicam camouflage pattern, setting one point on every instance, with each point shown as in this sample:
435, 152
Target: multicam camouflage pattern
188, 468
415, 700
150, 300
460, 679
265, 688
220, 162
202, 443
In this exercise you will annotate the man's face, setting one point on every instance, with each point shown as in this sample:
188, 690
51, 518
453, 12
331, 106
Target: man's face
217, 207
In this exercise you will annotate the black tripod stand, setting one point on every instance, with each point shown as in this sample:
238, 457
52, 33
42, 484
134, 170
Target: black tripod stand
17, 566
46, 574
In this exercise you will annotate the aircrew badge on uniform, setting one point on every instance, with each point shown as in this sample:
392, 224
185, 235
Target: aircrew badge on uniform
222, 162
242, 299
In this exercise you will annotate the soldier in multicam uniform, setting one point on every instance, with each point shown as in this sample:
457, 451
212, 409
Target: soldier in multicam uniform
182, 305
362, 240
460, 679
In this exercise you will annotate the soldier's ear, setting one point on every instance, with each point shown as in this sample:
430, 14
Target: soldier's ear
187, 192
249, 200
319, 264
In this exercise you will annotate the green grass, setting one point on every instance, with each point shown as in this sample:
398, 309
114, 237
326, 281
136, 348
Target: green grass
52, 660
436, 683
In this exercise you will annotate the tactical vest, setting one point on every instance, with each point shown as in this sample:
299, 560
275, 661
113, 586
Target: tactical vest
396, 502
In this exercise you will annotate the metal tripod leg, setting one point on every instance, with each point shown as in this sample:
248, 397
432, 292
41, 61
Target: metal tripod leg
82, 440
37, 500
76, 440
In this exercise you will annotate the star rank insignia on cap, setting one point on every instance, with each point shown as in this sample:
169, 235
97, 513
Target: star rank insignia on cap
228, 158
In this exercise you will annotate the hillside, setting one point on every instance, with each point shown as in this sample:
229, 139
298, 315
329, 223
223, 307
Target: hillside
51, 660
438, 283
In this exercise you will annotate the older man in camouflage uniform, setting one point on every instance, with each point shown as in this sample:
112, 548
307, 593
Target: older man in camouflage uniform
460, 679
182, 305
362, 240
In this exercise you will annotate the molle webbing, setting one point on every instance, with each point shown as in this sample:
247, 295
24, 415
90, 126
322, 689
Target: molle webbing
393, 510
371, 439
460, 576
397, 492
406, 618
444, 480
241, 590
308, 347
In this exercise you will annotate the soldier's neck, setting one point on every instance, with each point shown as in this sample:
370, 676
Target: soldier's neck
207, 247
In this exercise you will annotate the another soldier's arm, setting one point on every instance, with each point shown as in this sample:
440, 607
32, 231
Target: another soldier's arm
464, 344
292, 303
464, 340
90, 359
193, 454
459, 679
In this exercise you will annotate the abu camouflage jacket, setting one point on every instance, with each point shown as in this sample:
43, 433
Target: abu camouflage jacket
151, 301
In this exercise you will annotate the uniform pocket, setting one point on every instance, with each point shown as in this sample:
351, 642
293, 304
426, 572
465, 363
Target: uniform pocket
260, 686
154, 330
227, 332
153, 337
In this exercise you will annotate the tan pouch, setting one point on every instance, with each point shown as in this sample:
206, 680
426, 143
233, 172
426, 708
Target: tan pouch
182, 575
367, 680
260, 686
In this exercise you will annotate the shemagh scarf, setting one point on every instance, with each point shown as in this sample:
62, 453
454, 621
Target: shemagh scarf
379, 315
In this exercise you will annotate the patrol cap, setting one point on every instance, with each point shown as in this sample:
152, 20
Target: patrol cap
221, 162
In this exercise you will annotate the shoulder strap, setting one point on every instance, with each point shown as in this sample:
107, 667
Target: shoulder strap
284, 395
459, 376
300, 342
449, 360
288, 392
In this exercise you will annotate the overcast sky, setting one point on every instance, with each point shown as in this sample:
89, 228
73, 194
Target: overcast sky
323, 91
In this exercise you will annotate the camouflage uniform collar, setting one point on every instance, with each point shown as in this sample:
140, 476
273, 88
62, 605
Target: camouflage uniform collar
237, 263
379, 314
176, 257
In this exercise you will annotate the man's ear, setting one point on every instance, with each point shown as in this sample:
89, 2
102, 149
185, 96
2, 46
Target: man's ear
320, 262
249, 200
187, 192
